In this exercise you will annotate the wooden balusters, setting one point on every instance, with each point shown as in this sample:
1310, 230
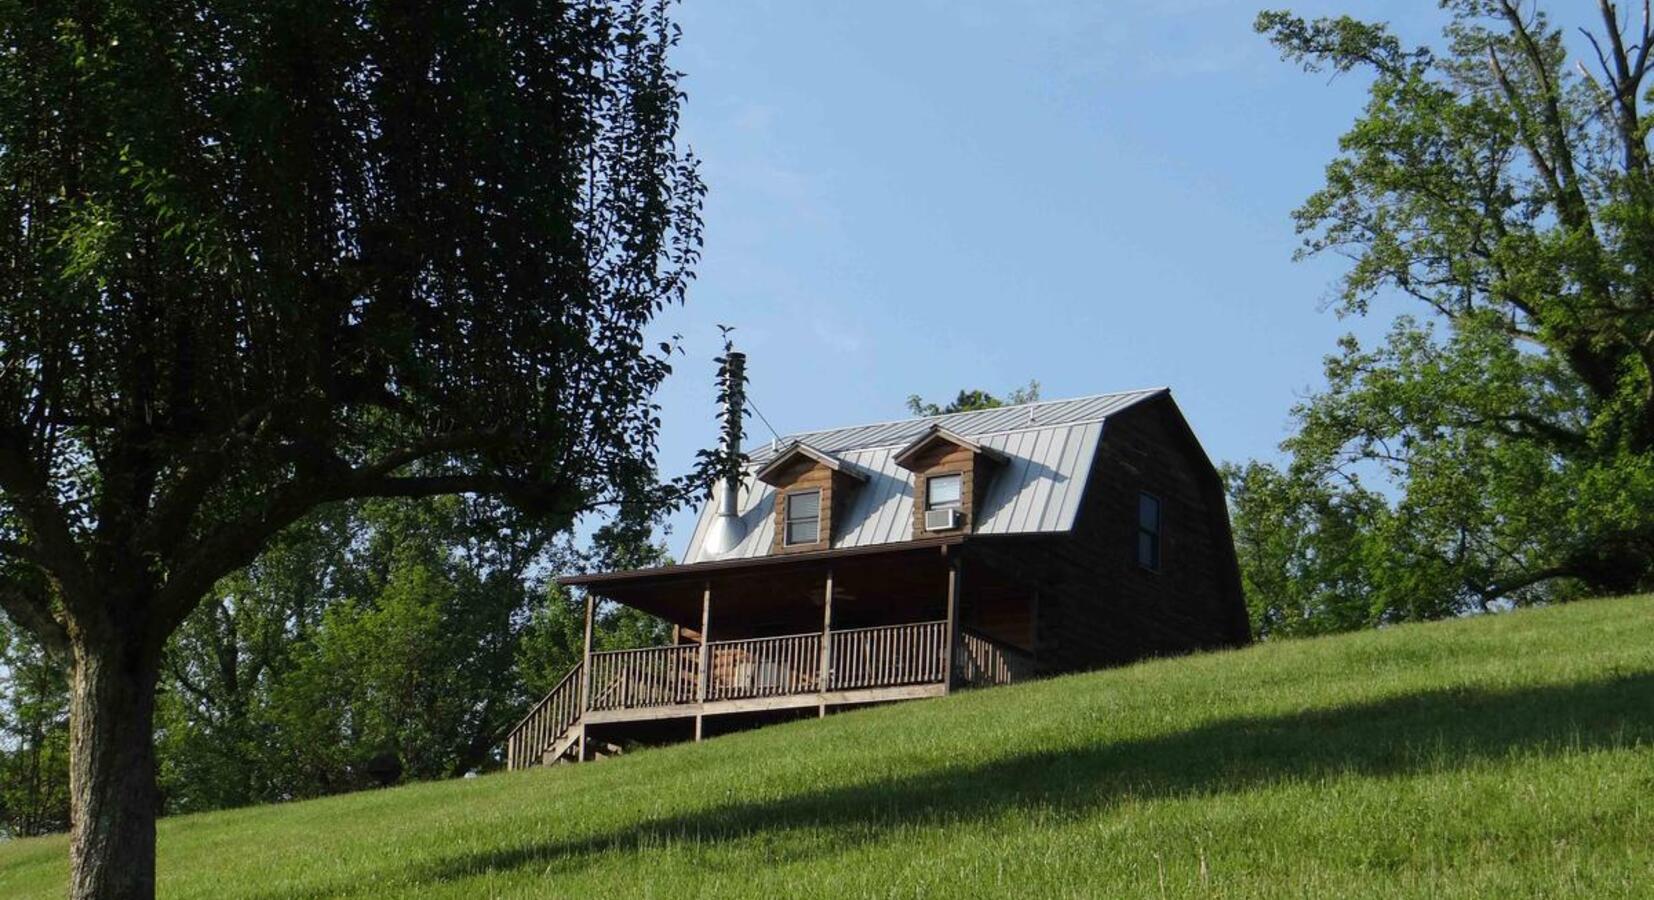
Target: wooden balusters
546, 723
652, 676
888, 656
984, 662
765, 667
689, 674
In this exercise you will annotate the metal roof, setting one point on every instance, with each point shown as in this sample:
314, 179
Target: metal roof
1048, 448
800, 448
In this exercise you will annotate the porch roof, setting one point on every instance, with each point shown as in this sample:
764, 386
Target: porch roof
756, 590
596, 581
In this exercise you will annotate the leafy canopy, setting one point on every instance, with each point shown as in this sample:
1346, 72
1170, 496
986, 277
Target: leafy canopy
258, 258
1498, 444
973, 399
264, 256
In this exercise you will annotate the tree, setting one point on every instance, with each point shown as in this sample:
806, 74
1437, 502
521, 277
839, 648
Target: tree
218, 744
382, 632
261, 258
34, 770
1510, 428
373, 642
970, 400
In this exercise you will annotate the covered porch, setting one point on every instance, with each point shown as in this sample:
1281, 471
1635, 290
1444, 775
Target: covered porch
801, 632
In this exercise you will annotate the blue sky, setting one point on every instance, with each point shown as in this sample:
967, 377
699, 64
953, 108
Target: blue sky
922, 196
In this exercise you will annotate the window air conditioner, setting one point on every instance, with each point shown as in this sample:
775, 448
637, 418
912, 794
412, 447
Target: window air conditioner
945, 519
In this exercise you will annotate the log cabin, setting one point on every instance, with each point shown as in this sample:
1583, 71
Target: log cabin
909, 559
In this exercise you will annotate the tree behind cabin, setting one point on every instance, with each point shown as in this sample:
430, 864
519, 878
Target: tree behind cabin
973, 399
1497, 445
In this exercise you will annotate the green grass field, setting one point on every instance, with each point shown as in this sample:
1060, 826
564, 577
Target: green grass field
1504, 756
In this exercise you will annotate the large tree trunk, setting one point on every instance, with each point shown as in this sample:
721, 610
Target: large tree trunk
112, 771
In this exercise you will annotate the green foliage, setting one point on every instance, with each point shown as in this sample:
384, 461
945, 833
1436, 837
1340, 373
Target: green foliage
34, 737
419, 264
970, 400
1500, 449
1495, 756
377, 642
256, 259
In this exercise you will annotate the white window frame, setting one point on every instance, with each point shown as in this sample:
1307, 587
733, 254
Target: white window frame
787, 518
958, 502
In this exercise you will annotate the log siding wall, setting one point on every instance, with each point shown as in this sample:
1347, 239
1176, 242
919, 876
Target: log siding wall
1097, 606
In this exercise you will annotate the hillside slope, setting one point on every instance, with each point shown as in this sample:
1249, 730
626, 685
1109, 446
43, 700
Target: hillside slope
1508, 756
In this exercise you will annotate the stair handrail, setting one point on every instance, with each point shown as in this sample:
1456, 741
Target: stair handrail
568, 682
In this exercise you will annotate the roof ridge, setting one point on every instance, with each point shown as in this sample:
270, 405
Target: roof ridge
800, 435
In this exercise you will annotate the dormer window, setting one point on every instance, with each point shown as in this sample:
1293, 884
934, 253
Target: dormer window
944, 491
950, 478
803, 523
811, 487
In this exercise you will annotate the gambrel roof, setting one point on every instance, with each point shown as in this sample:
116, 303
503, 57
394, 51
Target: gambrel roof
1047, 450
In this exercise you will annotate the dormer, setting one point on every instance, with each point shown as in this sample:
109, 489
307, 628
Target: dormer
950, 473
810, 487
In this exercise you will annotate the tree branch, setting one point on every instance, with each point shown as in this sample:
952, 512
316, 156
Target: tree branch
237, 544
58, 555
32, 611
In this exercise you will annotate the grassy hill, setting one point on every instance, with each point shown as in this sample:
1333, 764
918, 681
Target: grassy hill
1505, 756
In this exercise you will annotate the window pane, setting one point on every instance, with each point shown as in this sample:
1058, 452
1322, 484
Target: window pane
803, 517
1148, 512
804, 505
942, 491
803, 532
1148, 549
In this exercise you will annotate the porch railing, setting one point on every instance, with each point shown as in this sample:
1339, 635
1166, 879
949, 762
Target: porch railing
984, 662
859, 658
548, 721
889, 656
765, 667
883, 656
638, 679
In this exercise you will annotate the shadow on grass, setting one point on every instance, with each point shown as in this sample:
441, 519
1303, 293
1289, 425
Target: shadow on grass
1414, 733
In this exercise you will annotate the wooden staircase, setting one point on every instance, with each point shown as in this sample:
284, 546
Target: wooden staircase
551, 730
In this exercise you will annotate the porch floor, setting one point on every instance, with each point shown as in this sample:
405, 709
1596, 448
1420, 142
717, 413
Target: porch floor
755, 704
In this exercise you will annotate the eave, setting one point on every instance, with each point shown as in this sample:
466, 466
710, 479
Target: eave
937, 433
596, 580
797, 449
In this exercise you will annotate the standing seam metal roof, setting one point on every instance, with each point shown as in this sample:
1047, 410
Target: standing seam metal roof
1048, 445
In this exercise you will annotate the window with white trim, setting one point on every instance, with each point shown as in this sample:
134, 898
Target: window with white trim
803, 524
944, 491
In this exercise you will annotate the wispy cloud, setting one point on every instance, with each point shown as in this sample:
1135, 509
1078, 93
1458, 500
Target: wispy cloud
838, 337
1126, 39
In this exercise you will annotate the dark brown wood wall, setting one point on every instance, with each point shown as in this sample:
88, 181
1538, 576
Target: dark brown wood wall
1096, 605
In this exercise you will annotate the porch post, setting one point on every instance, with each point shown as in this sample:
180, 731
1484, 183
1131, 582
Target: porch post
586, 673
704, 670
951, 641
826, 642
